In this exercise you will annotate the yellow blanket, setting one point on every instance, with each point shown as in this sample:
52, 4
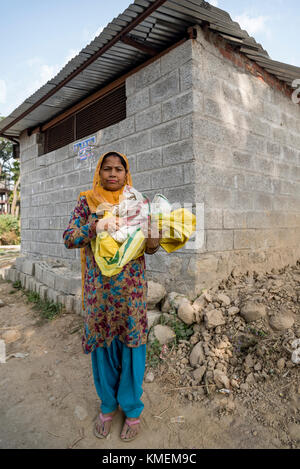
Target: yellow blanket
111, 256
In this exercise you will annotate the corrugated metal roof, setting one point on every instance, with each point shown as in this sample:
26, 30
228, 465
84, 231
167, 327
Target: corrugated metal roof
163, 27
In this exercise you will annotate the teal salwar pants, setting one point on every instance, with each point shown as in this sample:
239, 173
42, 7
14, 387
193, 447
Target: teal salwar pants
118, 373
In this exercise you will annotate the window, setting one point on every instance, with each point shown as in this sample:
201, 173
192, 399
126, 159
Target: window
106, 111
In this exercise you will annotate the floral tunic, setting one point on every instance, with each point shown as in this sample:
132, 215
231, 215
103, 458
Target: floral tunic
114, 306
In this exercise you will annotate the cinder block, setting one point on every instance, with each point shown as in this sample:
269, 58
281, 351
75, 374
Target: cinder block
164, 88
142, 181
48, 278
177, 57
148, 118
78, 306
147, 75
219, 240
149, 160
52, 295
43, 291
22, 279
167, 177
177, 106
138, 142
137, 102
69, 303
165, 133
126, 127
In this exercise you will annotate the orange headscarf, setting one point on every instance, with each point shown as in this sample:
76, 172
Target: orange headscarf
98, 195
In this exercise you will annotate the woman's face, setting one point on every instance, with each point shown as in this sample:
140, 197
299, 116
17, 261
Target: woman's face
112, 173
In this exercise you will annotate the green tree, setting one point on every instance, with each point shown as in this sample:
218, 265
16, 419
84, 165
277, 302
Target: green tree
10, 171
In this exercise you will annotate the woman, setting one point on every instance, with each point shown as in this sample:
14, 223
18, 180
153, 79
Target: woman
115, 329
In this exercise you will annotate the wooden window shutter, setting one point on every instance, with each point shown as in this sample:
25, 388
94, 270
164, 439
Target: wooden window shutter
106, 111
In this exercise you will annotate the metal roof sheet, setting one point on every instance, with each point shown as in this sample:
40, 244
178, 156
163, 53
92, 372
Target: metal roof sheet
164, 26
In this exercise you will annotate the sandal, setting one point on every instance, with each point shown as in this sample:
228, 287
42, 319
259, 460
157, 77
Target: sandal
129, 423
103, 420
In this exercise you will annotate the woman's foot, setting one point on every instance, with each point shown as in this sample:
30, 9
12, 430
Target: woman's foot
130, 429
103, 424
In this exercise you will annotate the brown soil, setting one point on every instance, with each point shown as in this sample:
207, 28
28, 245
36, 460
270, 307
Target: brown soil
48, 398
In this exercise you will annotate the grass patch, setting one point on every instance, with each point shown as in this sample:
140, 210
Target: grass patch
153, 353
47, 309
182, 331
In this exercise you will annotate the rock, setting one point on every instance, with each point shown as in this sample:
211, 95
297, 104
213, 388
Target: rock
186, 312
296, 356
281, 322
252, 310
156, 292
153, 317
198, 373
2, 303
249, 361
281, 364
197, 355
244, 387
250, 379
11, 336
294, 431
80, 412
199, 304
258, 366
171, 301
149, 378
224, 299
164, 334
220, 379
233, 310
213, 318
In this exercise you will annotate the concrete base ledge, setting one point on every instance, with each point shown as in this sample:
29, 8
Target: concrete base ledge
51, 281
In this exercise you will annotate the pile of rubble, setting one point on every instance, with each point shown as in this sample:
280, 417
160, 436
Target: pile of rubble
244, 331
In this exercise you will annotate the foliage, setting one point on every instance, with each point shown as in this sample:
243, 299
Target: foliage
46, 309
182, 331
153, 353
9, 230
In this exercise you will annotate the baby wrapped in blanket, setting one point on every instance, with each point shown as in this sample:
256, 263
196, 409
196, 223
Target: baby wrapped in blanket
113, 249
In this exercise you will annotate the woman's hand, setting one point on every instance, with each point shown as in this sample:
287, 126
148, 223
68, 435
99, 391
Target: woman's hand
109, 224
152, 235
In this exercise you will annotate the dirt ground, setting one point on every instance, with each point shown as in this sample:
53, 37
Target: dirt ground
48, 398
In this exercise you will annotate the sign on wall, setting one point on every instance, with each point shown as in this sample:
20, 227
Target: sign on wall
85, 148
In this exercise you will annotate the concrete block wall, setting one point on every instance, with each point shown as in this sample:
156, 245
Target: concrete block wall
247, 165
199, 129
156, 137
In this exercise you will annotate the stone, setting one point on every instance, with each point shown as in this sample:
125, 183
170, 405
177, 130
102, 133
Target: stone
294, 431
186, 312
2, 303
250, 379
153, 317
200, 303
164, 334
233, 310
249, 361
172, 301
225, 300
149, 378
281, 322
197, 355
220, 379
156, 292
213, 318
252, 311
80, 412
281, 364
11, 336
199, 373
